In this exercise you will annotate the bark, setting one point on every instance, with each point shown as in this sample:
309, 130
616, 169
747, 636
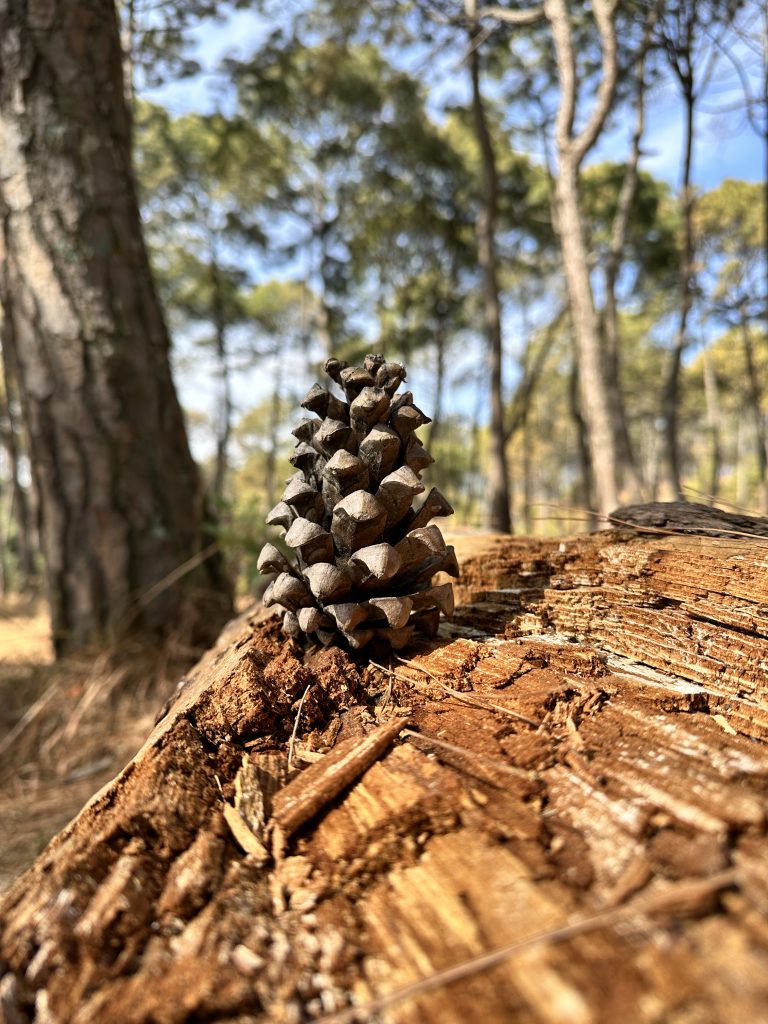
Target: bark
571, 150
613, 769
755, 393
21, 511
121, 504
500, 519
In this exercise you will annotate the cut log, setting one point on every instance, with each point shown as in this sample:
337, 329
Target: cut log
555, 811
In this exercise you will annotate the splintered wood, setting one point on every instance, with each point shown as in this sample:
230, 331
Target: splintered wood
553, 812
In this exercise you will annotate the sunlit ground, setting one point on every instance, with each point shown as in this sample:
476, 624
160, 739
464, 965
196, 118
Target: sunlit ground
64, 731
25, 634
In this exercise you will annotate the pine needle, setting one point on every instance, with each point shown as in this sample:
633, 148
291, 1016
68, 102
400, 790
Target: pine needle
292, 741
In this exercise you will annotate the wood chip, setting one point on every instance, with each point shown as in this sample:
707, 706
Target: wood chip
315, 787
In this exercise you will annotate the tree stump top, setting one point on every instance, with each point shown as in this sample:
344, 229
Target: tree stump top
554, 812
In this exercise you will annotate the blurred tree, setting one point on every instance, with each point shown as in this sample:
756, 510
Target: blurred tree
328, 103
19, 543
203, 182
571, 146
689, 33
121, 505
631, 484
728, 227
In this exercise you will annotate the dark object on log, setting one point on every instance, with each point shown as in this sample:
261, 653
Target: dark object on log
363, 557
688, 517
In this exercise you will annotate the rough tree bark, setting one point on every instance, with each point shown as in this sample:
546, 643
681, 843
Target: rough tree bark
22, 513
571, 150
121, 503
556, 812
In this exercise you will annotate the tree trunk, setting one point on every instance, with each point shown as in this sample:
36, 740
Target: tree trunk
224, 411
571, 149
121, 504
714, 419
567, 828
594, 404
755, 392
20, 503
670, 483
584, 498
631, 483
500, 519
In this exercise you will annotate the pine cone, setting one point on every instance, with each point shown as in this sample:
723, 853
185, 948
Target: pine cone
365, 557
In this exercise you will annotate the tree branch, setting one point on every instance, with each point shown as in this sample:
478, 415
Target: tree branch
604, 11
629, 184
520, 402
526, 17
557, 15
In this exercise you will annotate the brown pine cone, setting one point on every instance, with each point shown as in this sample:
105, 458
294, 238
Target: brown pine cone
365, 557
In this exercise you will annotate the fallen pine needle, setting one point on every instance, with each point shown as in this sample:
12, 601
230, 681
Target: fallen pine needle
292, 742
471, 755
460, 695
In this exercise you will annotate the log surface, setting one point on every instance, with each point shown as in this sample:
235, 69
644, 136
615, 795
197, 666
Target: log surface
574, 774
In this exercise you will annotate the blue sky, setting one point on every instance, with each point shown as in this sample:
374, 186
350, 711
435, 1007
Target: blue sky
725, 145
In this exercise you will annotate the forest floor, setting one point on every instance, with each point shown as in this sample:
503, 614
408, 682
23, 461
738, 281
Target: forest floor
65, 730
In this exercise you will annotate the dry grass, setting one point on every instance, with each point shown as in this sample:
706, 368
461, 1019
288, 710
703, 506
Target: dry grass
66, 729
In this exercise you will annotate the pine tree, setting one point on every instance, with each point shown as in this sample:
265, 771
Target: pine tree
365, 557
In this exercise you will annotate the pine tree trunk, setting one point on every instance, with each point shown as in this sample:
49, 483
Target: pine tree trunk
670, 487
500, 519
584, 497
121, 503
632, 485
595, 405
22, 513
755, 392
